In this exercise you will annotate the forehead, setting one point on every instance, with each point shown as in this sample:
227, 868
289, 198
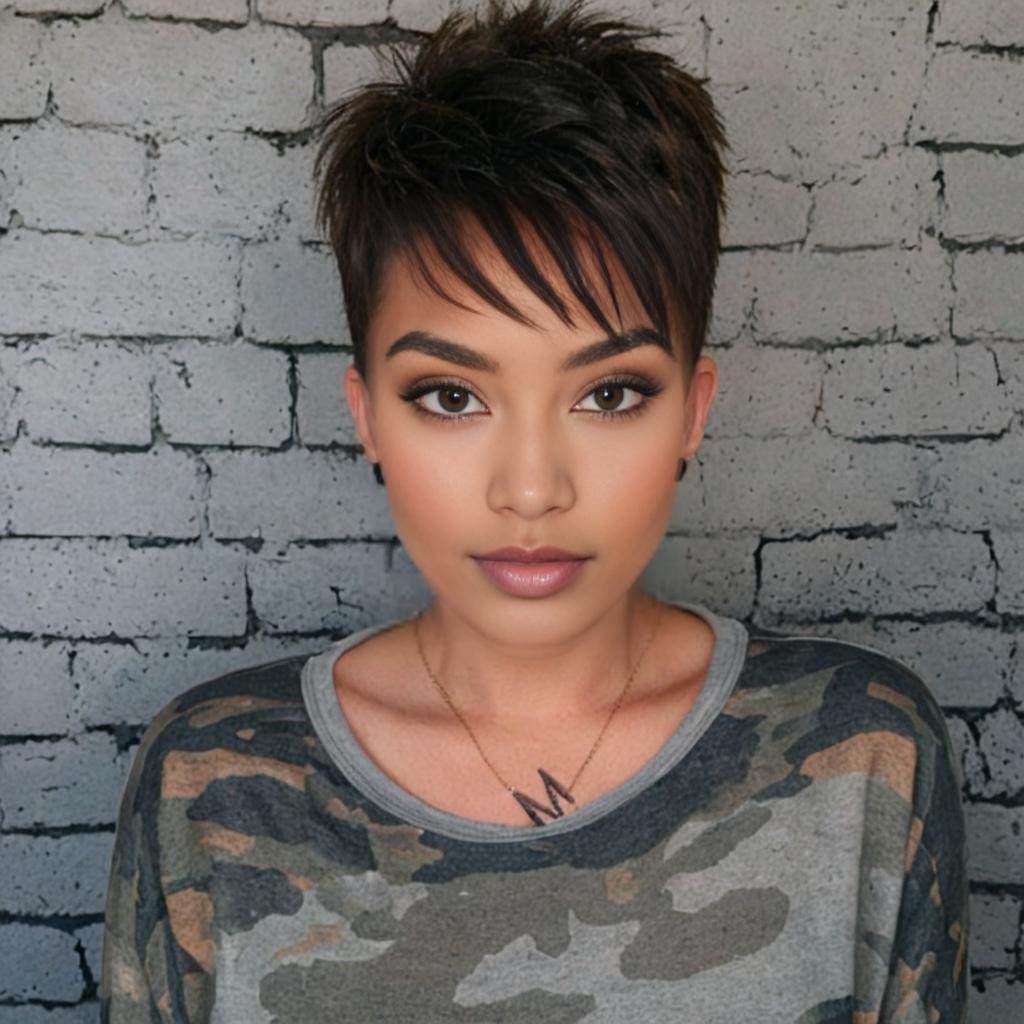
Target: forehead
409, 301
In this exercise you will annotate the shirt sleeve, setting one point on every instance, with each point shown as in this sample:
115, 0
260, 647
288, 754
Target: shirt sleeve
928, 965
146, 974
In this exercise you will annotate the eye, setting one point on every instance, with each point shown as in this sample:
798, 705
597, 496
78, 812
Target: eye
611, 391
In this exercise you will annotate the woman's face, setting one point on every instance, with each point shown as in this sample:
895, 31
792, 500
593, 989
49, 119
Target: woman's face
518, 449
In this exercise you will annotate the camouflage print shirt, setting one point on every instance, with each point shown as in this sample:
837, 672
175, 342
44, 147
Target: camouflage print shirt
794, 853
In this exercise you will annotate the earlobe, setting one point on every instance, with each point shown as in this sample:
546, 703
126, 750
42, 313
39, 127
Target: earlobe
358, 398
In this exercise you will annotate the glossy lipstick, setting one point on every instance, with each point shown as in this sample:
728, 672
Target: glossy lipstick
531, 573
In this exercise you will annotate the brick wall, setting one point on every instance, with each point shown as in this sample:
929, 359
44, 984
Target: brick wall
181, 489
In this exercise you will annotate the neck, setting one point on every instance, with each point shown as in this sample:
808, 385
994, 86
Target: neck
578, 674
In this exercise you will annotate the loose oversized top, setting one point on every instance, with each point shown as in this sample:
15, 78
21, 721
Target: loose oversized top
793, 853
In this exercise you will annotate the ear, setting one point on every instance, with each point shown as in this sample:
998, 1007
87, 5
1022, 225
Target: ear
701, 393
358, 396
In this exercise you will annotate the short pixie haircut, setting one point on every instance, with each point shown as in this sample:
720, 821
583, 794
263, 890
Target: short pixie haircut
544, 116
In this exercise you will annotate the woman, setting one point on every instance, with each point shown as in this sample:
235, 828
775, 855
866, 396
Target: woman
548, 796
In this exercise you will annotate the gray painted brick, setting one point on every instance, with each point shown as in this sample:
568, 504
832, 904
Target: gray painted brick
227, 183
323, 12
995, 842
718, 573
323, 412
295, 494
909, 573
1001, 749
964, 665
971, 97
66, 390
796, 485
1009, 551
23, 75
178, 76
39, 963
980, 191
996, 22
36, 689
349, 67
91, 938
79, 493
89, 588
884, 201
995, 929
733, 300
131, 683
751, 380
234, 12
787, 54
975, 484
235, 394
291, 294
930, 390
33, 1013
46, 876
1001, 999
57, 282
836, 297
989, 297
75, 781
765, 210
59, 6
72, 179
338, 589
419, 15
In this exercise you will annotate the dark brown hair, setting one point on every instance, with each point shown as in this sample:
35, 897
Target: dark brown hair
545, 116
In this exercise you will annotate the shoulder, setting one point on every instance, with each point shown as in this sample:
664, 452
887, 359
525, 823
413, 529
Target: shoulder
247, 722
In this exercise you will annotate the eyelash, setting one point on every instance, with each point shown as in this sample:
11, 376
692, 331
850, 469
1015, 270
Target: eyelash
645, 387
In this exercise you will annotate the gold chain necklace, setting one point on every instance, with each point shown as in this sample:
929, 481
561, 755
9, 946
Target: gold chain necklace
552, 786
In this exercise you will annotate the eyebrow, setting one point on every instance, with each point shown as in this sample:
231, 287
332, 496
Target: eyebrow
463, 355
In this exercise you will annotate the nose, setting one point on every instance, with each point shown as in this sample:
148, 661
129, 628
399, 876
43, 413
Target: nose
532, 470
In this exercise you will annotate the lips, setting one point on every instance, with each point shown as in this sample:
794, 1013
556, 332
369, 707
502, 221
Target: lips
535, 572
543, 554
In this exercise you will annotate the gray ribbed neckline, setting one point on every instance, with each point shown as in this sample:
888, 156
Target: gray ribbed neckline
344, 749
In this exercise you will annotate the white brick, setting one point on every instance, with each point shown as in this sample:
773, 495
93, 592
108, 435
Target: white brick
232, 11
74, 781
884, 201
233, 394
350, 67
332, 589
323, 412
45, 876
790, 485
901, 573
39, 963
752, 380
72, 179
832, 83
980, 191
419, 15
291, 294
315, 495
85, 588
971, 97
36, 689
995, 22
989, 296
1009, 549
55, 282
837, 297
719, 573
81, 493
23, 76
228, 183
323, 12
764, 210
81, 392
177, 76
995, 845
131, 683
929, 390
975, 484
